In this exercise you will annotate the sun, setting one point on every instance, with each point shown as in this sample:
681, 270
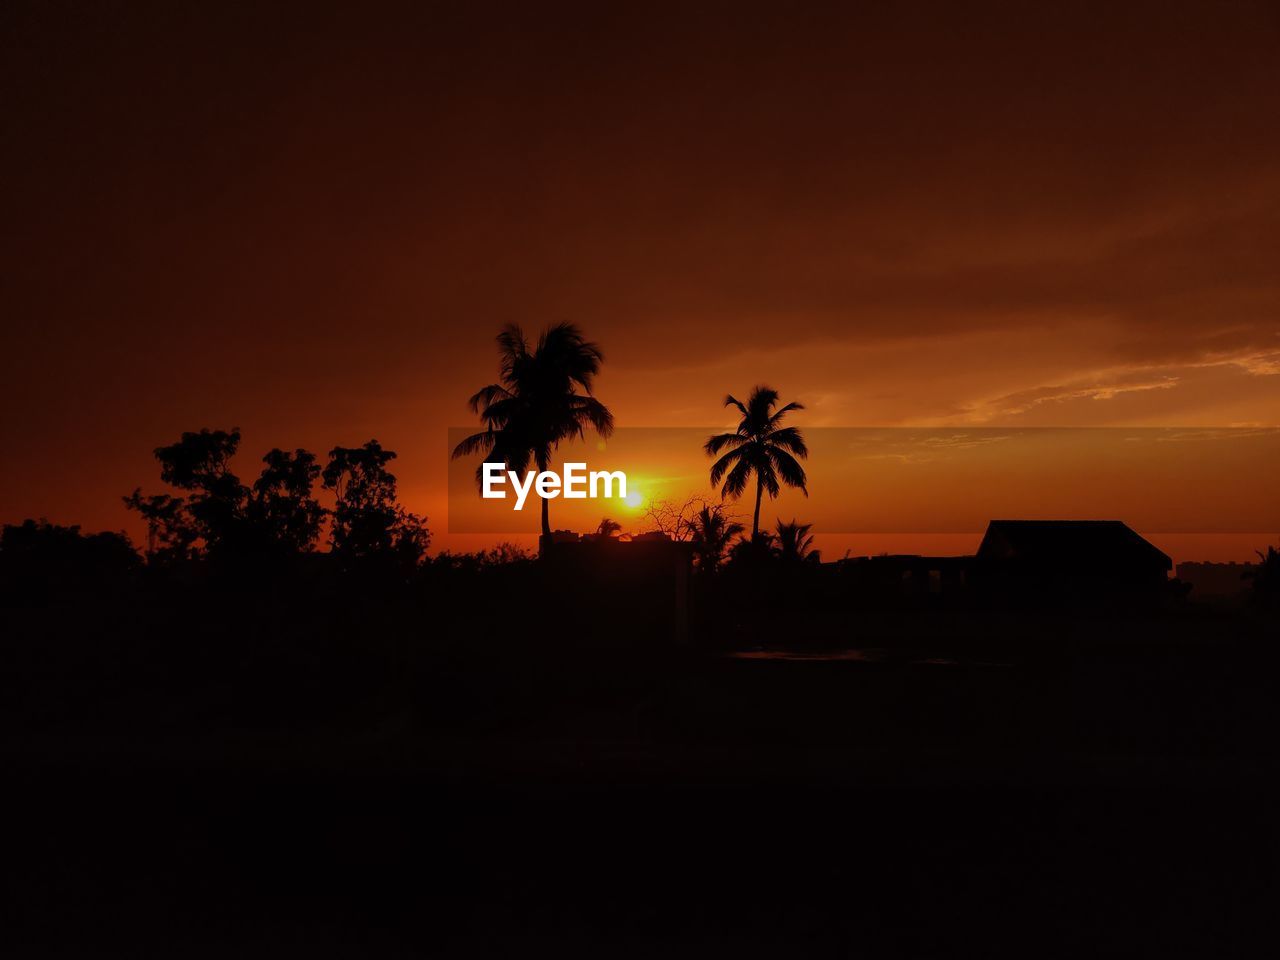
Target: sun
633, 499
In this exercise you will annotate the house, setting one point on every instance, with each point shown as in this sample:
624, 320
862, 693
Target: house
1070, 556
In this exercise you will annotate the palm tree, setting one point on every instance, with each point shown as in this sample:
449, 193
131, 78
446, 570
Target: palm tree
794, 543
608, 527
760, 446
536, 404
712, 532
1266, 576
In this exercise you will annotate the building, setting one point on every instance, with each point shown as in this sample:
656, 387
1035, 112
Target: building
1081, 557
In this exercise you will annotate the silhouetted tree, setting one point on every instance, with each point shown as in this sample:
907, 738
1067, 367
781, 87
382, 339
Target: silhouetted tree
277, 515
608, 528
171, 531
760, 447
201, 464
38, 558
1266, 577
503, 555
368, 522
676, 520
794, 544
712, 534
536, 404
281, 506
754, 550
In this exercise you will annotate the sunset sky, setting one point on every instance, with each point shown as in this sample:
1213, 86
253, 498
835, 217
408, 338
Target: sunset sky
310, 223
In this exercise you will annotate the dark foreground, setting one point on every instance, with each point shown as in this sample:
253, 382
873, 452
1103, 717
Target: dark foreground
1109, 792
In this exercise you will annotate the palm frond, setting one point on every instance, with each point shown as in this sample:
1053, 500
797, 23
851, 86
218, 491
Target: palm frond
512, 455
768, 478
788, 469
794, 540
487, 396
782, 412
512, 342
715, 444
789, 438
724, 463
500, 414
476, 443
592, 411
760, 403
570, 354
736, 482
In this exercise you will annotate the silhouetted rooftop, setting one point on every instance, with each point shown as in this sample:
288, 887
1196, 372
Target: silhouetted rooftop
1079, 544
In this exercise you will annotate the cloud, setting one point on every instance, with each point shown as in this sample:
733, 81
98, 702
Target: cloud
959, 441
914, 446
1264, 364
1100, 388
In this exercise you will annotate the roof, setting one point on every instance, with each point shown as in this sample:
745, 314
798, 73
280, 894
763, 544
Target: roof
1081, 544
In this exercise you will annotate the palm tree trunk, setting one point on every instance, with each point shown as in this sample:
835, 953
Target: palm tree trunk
541, 460
755, 523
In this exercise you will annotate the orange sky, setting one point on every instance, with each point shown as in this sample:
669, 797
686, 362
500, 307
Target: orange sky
311, 223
